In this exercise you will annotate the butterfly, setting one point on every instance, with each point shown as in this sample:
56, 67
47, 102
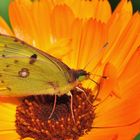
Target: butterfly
26, 70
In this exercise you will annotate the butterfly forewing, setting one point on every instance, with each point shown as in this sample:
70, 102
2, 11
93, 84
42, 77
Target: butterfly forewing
25, 70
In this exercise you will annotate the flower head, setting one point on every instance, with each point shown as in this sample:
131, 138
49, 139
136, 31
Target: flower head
83, 34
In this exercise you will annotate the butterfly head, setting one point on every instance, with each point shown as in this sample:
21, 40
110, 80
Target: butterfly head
81, 75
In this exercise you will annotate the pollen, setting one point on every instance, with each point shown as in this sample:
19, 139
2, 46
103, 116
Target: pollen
32, 117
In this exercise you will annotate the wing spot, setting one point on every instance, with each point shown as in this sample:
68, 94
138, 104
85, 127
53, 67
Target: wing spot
1, 81
15, 61
7, 65
3, 55
5, 70
33, 59
9, 88
24, 72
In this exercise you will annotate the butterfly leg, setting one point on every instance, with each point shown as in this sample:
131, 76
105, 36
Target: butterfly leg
54, 105
81, 90
71, 106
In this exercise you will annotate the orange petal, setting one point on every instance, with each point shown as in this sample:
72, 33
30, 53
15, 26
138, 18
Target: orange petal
119, 19
109, 85
61, 20
7, 119
117, 24
30, 23
12, 100
40, 30
124, 133
127, 43
87, 44
103, 11
4, 28
10, 136
85, 9
123, 111
132, 68
76, 30
119, 112
130, 77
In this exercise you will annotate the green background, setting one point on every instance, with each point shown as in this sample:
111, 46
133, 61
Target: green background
4, 14
4, 9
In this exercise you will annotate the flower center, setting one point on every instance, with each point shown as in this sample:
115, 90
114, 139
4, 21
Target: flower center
32, 117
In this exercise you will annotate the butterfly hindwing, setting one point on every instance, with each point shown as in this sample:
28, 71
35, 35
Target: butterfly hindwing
25, 70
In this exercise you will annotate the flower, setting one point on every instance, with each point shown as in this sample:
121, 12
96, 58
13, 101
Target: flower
76, 32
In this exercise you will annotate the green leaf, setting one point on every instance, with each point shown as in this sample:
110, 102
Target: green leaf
4, 4
137, 137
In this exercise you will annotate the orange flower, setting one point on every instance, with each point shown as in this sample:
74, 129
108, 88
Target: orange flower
76, 32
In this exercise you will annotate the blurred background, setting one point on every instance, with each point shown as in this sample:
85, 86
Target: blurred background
4, 13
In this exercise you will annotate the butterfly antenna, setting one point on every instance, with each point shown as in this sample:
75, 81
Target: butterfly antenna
90, 60
104, 77
97, 75
54, 105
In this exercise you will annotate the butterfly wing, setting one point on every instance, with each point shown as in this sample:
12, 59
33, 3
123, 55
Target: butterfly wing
25, 70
